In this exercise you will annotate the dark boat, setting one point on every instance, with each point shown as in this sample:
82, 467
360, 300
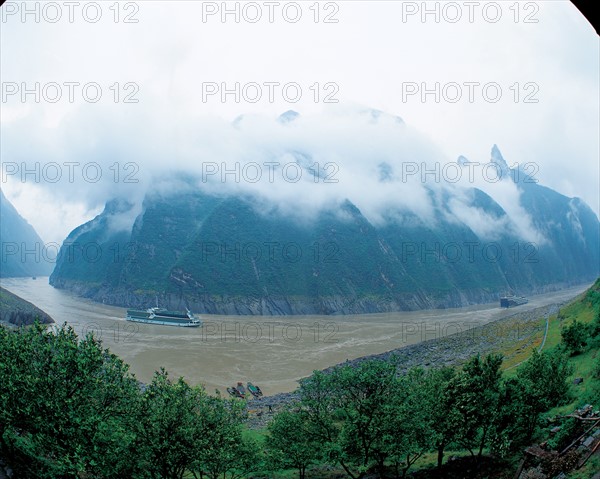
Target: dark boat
240, 387
164, 317
510, 301
254, 390
235, 393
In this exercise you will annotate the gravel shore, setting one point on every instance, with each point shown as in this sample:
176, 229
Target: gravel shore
520, 328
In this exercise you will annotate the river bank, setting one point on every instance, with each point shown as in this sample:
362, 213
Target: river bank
15, 311
274, 305
272, 352
517, 331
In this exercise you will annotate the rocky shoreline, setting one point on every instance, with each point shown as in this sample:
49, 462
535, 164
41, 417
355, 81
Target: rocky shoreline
283, 305
519, 328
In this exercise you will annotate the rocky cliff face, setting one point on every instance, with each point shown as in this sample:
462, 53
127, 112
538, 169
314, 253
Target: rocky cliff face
231, 255
23, 253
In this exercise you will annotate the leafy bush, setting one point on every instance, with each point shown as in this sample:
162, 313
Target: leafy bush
575, 336
596, 369
67, 407
569, 429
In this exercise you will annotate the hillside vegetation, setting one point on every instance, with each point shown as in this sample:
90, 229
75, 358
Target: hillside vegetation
70, 409
242, 255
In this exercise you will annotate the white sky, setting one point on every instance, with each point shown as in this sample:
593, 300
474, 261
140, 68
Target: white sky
369, 53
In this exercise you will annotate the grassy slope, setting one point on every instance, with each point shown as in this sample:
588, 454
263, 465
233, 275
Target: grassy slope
582, 310
517, 352
584, 365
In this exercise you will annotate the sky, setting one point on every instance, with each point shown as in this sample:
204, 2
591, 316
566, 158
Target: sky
113, 97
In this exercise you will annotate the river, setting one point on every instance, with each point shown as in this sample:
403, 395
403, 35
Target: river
273, 352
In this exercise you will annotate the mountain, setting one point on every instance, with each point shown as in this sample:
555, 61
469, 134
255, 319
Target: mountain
18, 312
23, 251
230, 254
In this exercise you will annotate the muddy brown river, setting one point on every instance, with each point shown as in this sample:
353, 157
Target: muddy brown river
273, 352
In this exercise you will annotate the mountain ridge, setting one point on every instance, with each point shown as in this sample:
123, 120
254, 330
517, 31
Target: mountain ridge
223, 254
23, 252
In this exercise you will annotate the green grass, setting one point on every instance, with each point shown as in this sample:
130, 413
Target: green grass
518, 352
587, 471
259, 435
583, 309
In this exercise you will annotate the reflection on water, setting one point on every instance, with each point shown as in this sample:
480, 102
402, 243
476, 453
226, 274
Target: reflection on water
273, 352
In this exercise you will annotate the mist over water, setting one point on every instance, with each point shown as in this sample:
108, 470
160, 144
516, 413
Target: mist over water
271, 351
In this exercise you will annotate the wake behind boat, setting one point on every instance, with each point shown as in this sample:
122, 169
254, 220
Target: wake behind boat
164, 317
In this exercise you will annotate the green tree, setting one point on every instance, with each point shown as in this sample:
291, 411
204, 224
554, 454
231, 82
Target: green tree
575, 336
291, 442
68, 408
360, 396
223, 450
440, 404
545, 376
345, 411
540, 384
407, 433
170, 426
317, 412
477, 390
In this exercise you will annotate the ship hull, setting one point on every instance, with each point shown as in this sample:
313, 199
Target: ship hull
511, 302
148, 317
181, 324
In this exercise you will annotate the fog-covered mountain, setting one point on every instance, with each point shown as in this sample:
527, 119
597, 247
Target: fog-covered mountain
230, 253
23, 252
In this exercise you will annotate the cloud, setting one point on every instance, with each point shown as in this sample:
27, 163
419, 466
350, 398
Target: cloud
172, 129
299, 166
295, 168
